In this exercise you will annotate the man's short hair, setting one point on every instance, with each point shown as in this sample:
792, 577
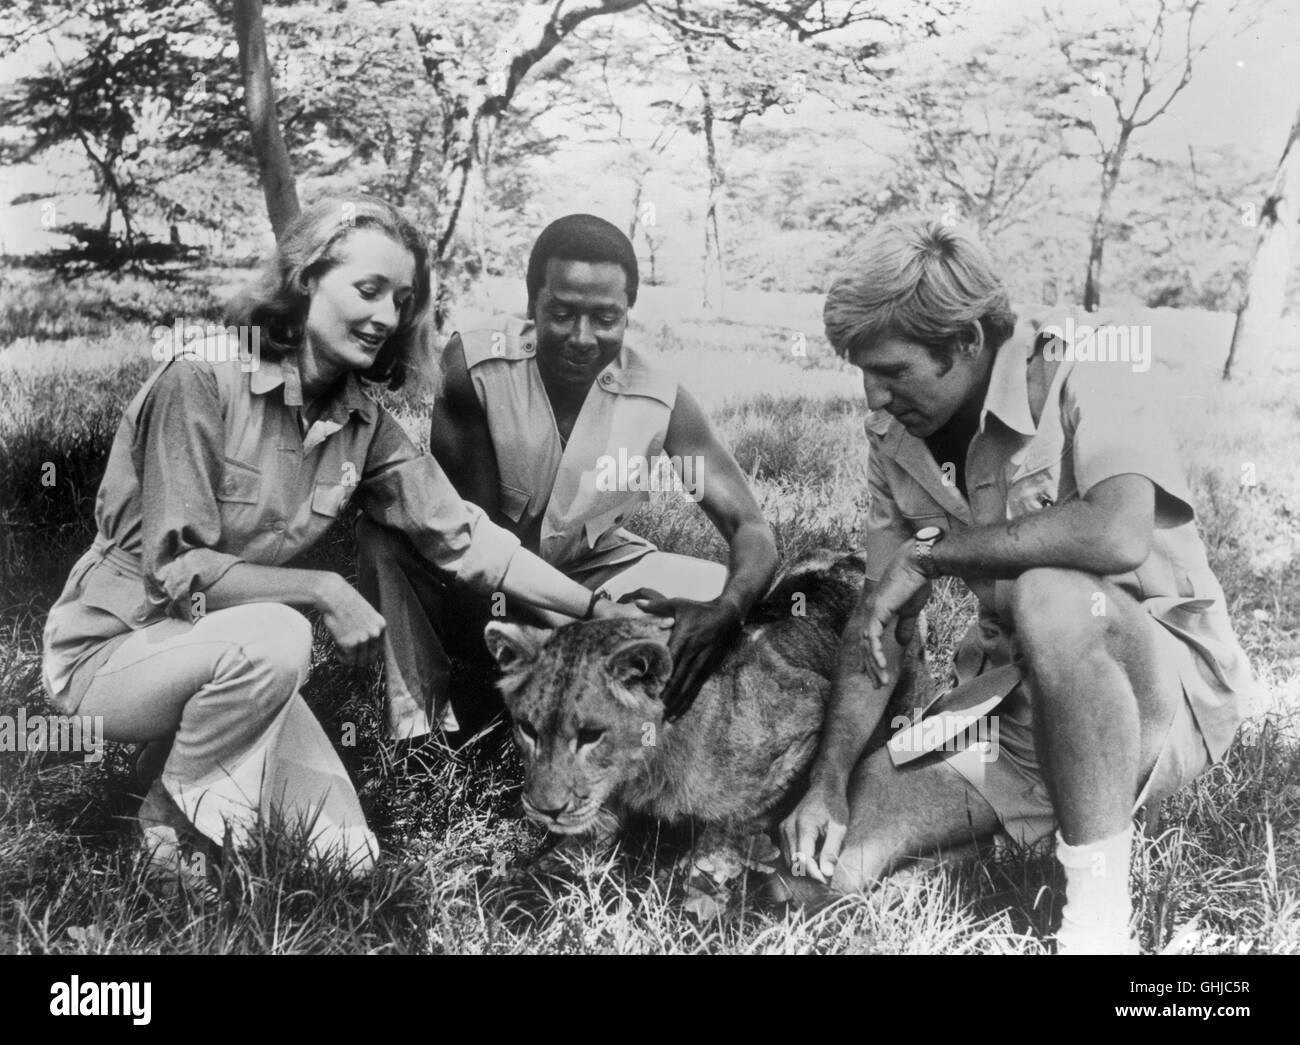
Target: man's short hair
921, 281
581, 237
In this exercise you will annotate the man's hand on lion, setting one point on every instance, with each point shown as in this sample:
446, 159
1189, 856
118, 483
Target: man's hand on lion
700, 636
900, 585
822, 816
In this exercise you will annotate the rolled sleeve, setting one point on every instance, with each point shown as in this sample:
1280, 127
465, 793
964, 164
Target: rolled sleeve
887, 530
407, 490
1119, 428
178, 451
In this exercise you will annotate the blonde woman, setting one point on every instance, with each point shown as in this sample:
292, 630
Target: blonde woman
183, 624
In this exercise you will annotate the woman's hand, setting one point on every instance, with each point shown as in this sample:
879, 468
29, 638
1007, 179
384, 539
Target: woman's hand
605, 610
355, 626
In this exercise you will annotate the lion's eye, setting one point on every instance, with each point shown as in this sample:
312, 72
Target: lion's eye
588, 735
527, 730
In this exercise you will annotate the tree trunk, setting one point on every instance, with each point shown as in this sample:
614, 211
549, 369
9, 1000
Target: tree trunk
1097, 244
469, 121
715, 281
259, 98
1261, 308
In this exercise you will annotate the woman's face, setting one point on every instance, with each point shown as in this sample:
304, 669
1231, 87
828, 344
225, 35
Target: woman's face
356, 305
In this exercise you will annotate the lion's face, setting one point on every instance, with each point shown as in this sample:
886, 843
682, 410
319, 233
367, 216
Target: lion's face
585, 703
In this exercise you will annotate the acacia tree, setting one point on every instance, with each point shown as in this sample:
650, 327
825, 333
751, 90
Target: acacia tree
1127, 76
1261, 306
115, 79
412, 98
975, 147
275, 173
745, 58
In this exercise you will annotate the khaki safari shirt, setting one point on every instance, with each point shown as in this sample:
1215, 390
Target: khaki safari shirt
578, 493
1049, 432
213, 465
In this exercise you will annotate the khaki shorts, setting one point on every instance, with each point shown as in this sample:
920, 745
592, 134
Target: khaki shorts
1009, 777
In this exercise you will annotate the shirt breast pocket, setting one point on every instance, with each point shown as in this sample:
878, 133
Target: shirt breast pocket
919, 510
612, 516
512, 501
240, 483
329, 499
1033, 487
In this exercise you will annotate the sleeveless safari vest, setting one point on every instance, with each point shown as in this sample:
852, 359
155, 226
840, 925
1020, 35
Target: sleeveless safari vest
625, 416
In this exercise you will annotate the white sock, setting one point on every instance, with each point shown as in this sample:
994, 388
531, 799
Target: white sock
1097, 905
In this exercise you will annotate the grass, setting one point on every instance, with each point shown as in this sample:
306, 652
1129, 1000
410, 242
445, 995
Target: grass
1221, 874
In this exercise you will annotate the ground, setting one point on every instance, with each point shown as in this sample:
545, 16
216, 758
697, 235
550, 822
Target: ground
1221, 874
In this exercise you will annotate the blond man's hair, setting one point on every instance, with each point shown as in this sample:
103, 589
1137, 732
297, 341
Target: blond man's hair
921, 281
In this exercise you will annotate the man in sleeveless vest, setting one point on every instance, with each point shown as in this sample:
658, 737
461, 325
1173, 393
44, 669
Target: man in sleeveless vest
555, 427
1102, 673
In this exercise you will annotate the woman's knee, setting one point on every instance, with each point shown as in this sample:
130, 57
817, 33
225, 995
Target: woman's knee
275, 640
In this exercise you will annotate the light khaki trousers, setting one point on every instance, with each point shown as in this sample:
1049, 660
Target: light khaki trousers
246, 744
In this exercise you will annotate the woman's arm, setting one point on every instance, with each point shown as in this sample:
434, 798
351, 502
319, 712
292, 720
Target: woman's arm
355, 626
407, 490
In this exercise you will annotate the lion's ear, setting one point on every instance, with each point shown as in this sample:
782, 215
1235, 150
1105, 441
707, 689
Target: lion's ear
513, 645
641, 662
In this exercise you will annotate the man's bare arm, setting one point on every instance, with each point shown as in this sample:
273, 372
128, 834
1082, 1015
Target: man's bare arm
857, 703
727, 500
812, 834
1108, 531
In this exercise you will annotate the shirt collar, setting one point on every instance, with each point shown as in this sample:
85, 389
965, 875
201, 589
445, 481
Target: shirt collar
1007, 397
349, 397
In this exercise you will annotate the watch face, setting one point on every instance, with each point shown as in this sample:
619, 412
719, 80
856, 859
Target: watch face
928, 533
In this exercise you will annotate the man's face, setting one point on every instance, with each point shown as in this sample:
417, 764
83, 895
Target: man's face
580, 315
903, 379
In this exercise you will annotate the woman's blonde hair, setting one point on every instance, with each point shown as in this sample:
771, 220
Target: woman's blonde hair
278, 300
922, 281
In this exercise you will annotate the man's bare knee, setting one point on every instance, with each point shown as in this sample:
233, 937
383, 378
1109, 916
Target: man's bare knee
1043, 596
1065, 615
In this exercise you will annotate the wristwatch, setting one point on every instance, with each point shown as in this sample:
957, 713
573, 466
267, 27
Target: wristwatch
923, 550
596, 596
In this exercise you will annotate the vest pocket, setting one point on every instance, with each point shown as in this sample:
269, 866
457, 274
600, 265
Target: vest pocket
512, 501
613, 516
329, 499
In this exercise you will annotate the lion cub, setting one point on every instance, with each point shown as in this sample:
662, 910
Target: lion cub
589, 722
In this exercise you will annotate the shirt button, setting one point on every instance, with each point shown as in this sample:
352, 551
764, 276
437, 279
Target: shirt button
606, 379
229, 486
528, 347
